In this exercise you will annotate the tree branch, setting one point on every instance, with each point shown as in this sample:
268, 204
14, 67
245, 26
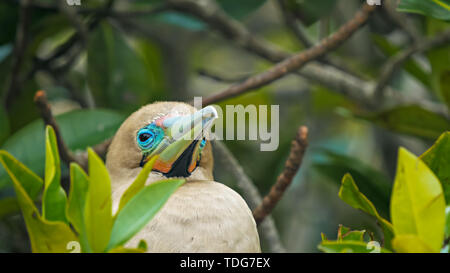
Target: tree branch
250, 193
291, 167
73, 18
296, 61
70, 45
18, 54
221, 78
66, 155
359, 90
298, 30
291, 22
236, 32
394, 63
390, 6
144, 11
41, 101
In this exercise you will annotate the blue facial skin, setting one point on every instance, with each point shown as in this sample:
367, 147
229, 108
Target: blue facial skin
203, 143
149, 137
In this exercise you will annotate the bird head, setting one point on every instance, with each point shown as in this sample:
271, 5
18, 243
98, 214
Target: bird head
172, 131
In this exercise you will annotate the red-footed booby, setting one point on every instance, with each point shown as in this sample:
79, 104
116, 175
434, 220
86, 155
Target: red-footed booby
202, 215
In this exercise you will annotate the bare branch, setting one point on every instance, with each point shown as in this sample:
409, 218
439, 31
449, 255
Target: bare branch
250, 193
20, 46
291, 22
359, 90
291, 167
296, 61
400, 19
395, 62
144, 11
298, 30
40, 98
41, 101
74, 20
221, 78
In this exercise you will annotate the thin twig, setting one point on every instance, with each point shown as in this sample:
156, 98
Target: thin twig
400, 19
74, 19
291, 167
292, 23
355, 88
71, 45
142, 12
394, 63
296, 61
47, 63
297, 29
268, 230
67, 156
221, 78
20, 46
41, 101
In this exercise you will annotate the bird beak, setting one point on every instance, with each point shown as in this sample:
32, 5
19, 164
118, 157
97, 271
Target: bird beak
180, 150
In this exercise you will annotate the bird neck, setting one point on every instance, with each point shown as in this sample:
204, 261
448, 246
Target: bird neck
120, 178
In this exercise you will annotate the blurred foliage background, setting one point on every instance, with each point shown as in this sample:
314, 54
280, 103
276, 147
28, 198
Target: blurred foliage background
102, 60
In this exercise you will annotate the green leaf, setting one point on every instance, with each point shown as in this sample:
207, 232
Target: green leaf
142, 245
30, 182
437, 159
346, 234
140, 210
54, 197
236, 9
121, 249
447, 222
417, 205
409, 243
117, 73
349, 247
239, 9
181, 20
79, 184
354, 235
439, 58
138, 184
142, 248
439, 9
79, 129
350, 194
371, 181
412, 120
411, 66
44, 236
98, 208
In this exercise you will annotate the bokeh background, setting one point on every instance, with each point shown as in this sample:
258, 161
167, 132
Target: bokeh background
100, 61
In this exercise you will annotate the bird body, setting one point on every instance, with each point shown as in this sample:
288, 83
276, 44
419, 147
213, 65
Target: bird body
202, 215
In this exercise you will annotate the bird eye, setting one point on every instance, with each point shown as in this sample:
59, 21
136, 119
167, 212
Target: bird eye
149, 137
145, 138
